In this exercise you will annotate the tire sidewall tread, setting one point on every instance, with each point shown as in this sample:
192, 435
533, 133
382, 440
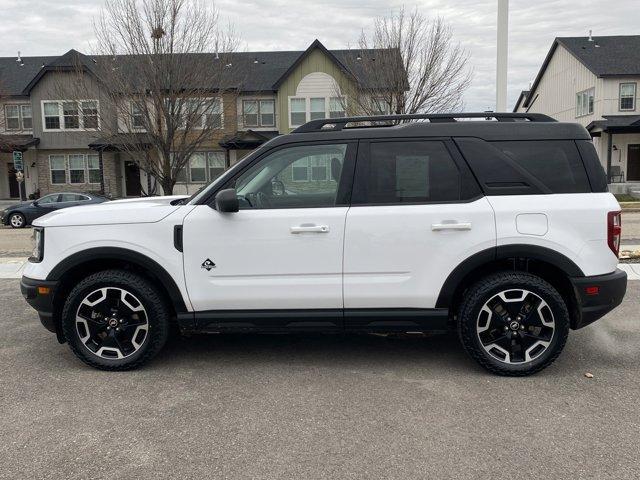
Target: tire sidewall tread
154, 304
481, 291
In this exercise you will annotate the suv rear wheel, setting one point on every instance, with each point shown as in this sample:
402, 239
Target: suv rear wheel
513, 323
115, 320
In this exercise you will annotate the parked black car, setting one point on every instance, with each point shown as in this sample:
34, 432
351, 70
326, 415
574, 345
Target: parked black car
24, 213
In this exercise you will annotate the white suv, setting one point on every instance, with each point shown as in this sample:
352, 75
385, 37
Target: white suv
502, 230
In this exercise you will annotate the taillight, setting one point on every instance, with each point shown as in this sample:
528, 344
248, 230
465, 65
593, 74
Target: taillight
614, 231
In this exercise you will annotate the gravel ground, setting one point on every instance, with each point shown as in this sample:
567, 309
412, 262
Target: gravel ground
311, 407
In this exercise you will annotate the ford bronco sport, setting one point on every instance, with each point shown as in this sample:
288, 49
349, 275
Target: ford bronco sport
502, 230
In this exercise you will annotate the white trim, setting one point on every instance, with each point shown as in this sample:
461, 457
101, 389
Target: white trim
67, 169
633, 97
64, 158
20, 128
61, 115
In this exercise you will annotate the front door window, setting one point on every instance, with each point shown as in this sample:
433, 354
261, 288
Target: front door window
304, 176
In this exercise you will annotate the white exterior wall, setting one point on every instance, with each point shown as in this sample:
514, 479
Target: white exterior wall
564, 77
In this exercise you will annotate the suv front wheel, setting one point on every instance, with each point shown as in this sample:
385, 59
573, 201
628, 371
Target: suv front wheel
115, 320
513, 323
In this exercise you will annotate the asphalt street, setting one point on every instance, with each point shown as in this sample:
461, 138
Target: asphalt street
313, 406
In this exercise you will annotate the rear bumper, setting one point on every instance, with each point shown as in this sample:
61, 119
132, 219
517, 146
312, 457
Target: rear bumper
33, 292
598, 295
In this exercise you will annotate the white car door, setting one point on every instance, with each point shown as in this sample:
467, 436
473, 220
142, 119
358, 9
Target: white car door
283, 250
416, 214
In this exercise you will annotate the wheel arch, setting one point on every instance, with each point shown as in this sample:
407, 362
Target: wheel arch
550, 265
83, 263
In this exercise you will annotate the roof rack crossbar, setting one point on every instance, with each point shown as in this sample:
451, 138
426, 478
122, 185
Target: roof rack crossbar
340, 123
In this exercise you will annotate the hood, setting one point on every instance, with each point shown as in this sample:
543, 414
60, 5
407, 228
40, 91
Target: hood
137, 210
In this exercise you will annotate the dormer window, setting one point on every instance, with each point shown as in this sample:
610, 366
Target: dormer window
627, 97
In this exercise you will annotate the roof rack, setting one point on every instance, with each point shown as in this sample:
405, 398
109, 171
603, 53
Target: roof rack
338, 124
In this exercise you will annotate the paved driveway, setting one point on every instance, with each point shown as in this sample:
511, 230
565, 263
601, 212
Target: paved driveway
306, 407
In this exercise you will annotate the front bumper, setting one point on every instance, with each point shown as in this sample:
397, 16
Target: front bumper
39, 294
598, 295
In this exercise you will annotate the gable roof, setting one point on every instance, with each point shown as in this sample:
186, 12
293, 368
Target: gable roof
254, 71
617, 55
523, 96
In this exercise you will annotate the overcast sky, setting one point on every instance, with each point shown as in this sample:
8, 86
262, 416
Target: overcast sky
51, 27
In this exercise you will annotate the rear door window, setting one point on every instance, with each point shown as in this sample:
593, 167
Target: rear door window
397, 172
555, 163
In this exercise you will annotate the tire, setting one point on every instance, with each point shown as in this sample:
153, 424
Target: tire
17, 220
115, 320
513, 323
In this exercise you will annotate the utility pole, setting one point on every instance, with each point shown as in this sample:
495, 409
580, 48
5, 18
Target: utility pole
502, 55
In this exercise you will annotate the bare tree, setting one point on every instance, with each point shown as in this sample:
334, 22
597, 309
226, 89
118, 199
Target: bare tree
411, 64
161, 68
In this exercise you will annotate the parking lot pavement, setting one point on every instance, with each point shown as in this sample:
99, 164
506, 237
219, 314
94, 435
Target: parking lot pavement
312, 406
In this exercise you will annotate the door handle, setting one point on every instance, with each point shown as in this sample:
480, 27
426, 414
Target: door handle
451, 226
309, 229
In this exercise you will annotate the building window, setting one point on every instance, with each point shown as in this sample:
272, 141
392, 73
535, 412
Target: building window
584, 102
315, 108
57, 165
267, 113
202, 113
18, 117
76, 168
250, 112
137, 117
70, 115
93, 168
258, 113
90, 114
197, 167
627, 96
298, 109
317, 111
25, 113
12, 114
202, 167
336, 107
216, 164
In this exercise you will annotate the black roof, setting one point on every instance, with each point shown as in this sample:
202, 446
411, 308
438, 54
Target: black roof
617, 123
617, 55
253, 71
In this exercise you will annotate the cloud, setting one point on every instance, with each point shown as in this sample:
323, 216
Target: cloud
49, 28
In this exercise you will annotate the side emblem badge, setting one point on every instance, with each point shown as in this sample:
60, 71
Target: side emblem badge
208, 265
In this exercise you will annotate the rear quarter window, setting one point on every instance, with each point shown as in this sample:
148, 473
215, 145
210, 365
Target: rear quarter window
555, 163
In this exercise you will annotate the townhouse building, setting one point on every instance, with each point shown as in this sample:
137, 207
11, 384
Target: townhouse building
594, 81
66, 146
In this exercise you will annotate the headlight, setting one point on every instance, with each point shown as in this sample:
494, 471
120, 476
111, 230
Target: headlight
37, 239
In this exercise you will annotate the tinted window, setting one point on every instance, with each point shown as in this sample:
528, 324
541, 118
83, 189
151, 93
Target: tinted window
407, 172
302, 176
555, 163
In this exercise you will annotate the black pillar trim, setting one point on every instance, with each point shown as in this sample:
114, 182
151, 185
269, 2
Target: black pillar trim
609, 147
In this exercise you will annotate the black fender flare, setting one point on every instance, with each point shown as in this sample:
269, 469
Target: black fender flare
503, 252
130, 256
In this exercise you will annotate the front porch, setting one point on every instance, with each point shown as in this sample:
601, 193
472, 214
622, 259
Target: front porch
617, 140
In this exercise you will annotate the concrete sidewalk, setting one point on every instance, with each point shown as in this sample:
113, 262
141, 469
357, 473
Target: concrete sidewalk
11, 267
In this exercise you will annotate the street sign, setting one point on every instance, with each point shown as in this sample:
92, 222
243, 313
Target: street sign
17, 161
19, 176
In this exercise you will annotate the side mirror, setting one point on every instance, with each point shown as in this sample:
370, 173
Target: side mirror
227, 201
34, 203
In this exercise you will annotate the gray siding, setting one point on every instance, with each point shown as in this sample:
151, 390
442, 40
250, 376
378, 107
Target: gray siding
60, 86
